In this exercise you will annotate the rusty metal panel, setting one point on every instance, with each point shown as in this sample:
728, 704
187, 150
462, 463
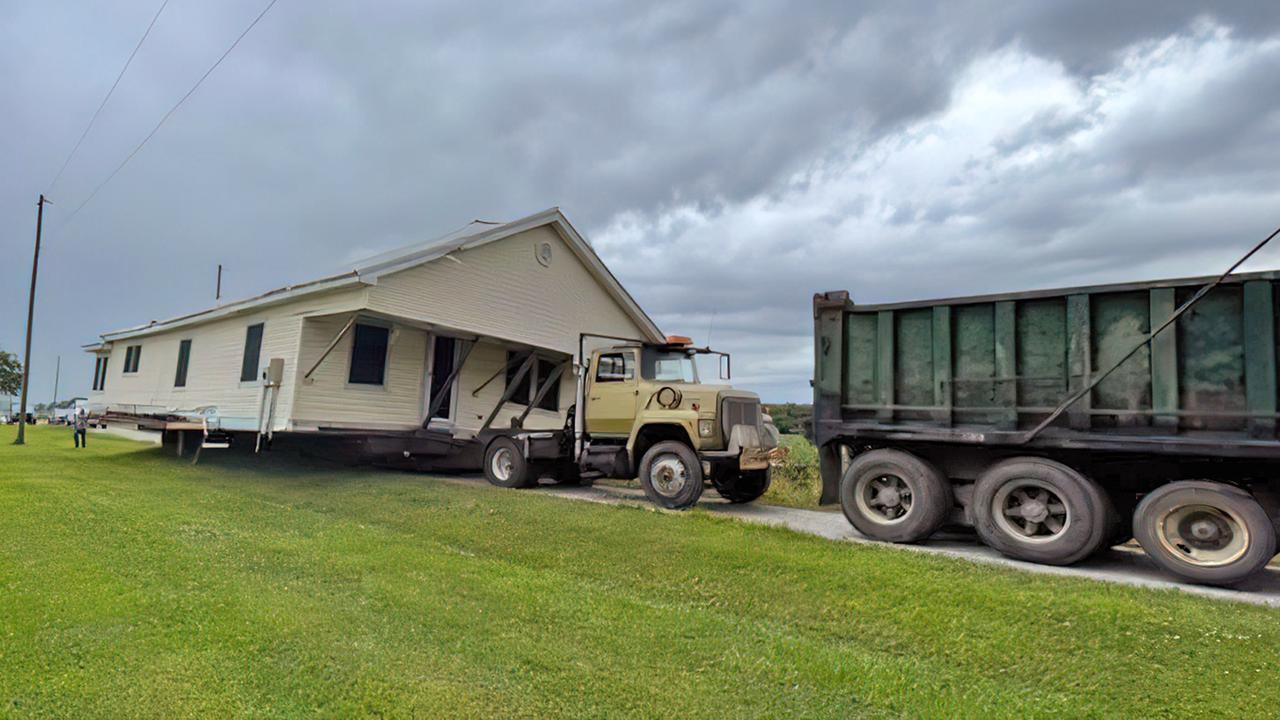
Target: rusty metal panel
860, 359
913, 361
1211, 361
1118, 322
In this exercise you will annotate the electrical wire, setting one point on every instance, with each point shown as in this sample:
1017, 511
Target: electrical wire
167, 115
114, 85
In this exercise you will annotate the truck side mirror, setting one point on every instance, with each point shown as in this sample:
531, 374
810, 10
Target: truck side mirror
725, 369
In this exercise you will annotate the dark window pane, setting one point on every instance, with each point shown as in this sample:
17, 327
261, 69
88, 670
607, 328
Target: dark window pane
102, 382
184, 358
252, 349
132, 358
369, 355
551, 400
97, 372
515, 360
441, 367
615, 368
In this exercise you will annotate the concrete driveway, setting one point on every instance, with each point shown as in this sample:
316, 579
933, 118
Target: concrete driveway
1118, 565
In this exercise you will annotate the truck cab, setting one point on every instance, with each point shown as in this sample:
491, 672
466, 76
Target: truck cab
646, 414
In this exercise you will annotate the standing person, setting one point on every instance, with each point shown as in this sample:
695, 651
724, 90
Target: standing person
81, 424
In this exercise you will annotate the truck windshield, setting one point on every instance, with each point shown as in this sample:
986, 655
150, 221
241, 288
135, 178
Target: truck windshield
668, 366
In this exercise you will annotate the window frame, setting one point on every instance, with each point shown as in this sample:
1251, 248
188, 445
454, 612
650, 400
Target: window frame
132, 359
100, 373
184, 363
257, 359
386, 354
628, 367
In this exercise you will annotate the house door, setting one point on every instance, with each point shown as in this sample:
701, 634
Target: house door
444, 355
612, 395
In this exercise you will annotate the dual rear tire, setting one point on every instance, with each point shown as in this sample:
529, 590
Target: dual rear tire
1042, 511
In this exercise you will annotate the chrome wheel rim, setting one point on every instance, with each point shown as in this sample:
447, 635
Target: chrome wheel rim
502, 463
1203, 535
1031, 510
885, 499
668, 475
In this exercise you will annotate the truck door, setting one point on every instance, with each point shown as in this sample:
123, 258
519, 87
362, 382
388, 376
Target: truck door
611, 393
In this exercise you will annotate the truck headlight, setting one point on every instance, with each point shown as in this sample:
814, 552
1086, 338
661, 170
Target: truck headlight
706, 428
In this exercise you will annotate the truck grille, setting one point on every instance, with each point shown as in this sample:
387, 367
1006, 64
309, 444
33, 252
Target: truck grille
739, 411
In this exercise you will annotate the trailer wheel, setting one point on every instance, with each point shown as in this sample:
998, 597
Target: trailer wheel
742, 487
505, 465
895, 496
671, 475
1205, 532
1040, 510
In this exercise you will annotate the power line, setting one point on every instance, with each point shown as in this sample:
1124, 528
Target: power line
98, 112
173, 109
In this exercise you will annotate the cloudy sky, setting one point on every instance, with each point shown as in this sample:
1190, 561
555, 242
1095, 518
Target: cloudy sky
727, 159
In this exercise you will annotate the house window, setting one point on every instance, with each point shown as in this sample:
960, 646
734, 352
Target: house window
616, 367
132, 357
527, 388
184, 359
442, 363
369, 355
100, 373
252, 349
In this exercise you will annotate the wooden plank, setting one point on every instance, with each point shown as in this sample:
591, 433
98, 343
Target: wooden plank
942, 385
884, 363
1079, 358
1260, 357
1164, 360
1006, 370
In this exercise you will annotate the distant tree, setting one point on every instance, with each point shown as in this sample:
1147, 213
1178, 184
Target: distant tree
10, 374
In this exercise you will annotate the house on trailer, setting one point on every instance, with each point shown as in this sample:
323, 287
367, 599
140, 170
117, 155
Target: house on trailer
410, 352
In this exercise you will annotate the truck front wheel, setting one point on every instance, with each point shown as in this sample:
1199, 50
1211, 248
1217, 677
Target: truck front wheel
895, 496
1205, 532
671, 475
741, 487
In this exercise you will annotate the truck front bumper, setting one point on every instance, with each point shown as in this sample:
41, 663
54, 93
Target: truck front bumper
750, 447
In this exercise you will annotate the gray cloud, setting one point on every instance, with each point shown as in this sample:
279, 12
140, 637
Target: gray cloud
344, 129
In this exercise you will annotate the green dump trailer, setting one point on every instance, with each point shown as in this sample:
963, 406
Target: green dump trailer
927, 413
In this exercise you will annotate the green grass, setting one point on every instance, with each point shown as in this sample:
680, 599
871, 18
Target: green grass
133, 584
796, 482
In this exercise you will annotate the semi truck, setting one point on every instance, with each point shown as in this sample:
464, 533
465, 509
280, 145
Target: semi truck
1059, 422
643, 412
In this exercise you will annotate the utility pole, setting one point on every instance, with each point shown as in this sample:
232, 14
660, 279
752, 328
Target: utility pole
57, 372
217, 294
31, 312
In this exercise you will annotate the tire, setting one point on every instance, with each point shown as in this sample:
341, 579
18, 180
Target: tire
742, 487
1208, 533
895, 496
1042, 511
1121, 522
506, 466
671, 475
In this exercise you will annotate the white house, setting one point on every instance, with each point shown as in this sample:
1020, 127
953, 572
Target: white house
439, 326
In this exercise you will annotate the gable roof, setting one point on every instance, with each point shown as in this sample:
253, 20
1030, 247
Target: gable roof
367, 272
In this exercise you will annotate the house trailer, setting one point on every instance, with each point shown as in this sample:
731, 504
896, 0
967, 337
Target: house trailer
408, 353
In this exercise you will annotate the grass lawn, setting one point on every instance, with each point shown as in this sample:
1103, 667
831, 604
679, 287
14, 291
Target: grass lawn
133, 584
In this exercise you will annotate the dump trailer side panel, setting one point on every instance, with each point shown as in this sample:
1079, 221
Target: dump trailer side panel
1003, 365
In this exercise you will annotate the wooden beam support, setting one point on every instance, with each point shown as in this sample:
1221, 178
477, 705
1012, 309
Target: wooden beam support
542, 390
337, 339
511, 386
438, 400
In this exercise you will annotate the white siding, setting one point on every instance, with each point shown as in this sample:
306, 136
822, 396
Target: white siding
328, 399
501, 290
213, 374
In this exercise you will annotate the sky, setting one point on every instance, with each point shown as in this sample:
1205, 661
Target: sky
726, 159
